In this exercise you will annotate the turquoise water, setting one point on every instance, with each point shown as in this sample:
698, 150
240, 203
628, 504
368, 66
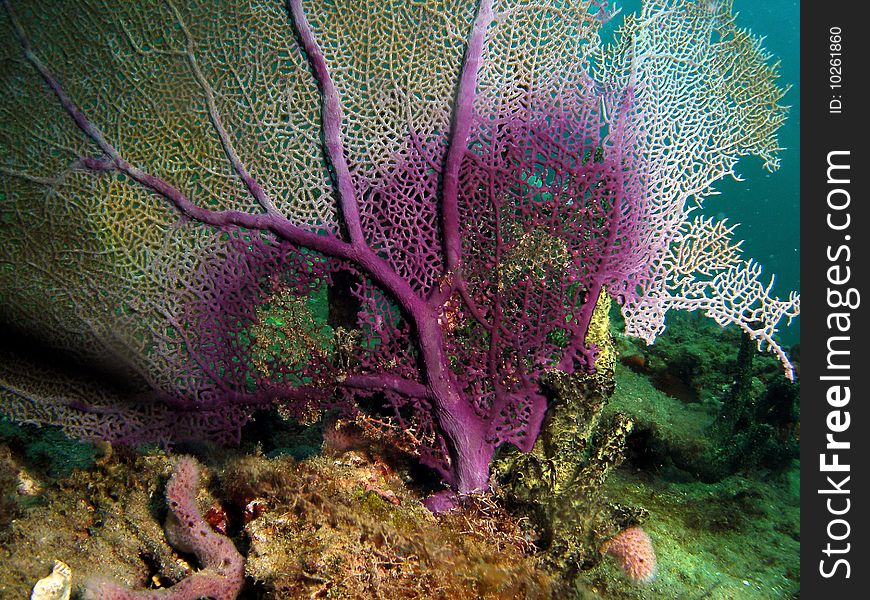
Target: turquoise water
767, 205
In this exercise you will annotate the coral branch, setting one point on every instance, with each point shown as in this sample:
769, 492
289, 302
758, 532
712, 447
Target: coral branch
462, 122
251, 184
331, 124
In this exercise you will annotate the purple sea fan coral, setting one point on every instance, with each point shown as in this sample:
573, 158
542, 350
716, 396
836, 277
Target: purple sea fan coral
473, 215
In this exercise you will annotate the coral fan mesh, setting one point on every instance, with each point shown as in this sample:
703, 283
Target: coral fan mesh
575, 168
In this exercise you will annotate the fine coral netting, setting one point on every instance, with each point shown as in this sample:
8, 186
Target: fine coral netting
705, 94
416, 204
541, 200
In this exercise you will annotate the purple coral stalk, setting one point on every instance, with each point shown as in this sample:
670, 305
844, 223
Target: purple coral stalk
223, 568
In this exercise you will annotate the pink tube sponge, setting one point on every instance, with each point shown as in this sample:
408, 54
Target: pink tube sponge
633, 550
223, 568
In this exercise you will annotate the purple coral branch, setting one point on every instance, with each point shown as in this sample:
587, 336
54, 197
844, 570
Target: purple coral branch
223, 568
462, 120
456, 153
476, 312
331, 125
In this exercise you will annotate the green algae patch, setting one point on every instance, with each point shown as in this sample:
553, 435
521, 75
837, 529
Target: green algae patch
674, 432
739, 538
48, 448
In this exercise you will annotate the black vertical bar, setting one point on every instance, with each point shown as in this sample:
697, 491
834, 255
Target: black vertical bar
835, 228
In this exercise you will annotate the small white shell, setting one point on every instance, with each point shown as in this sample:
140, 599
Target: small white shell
56, 586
